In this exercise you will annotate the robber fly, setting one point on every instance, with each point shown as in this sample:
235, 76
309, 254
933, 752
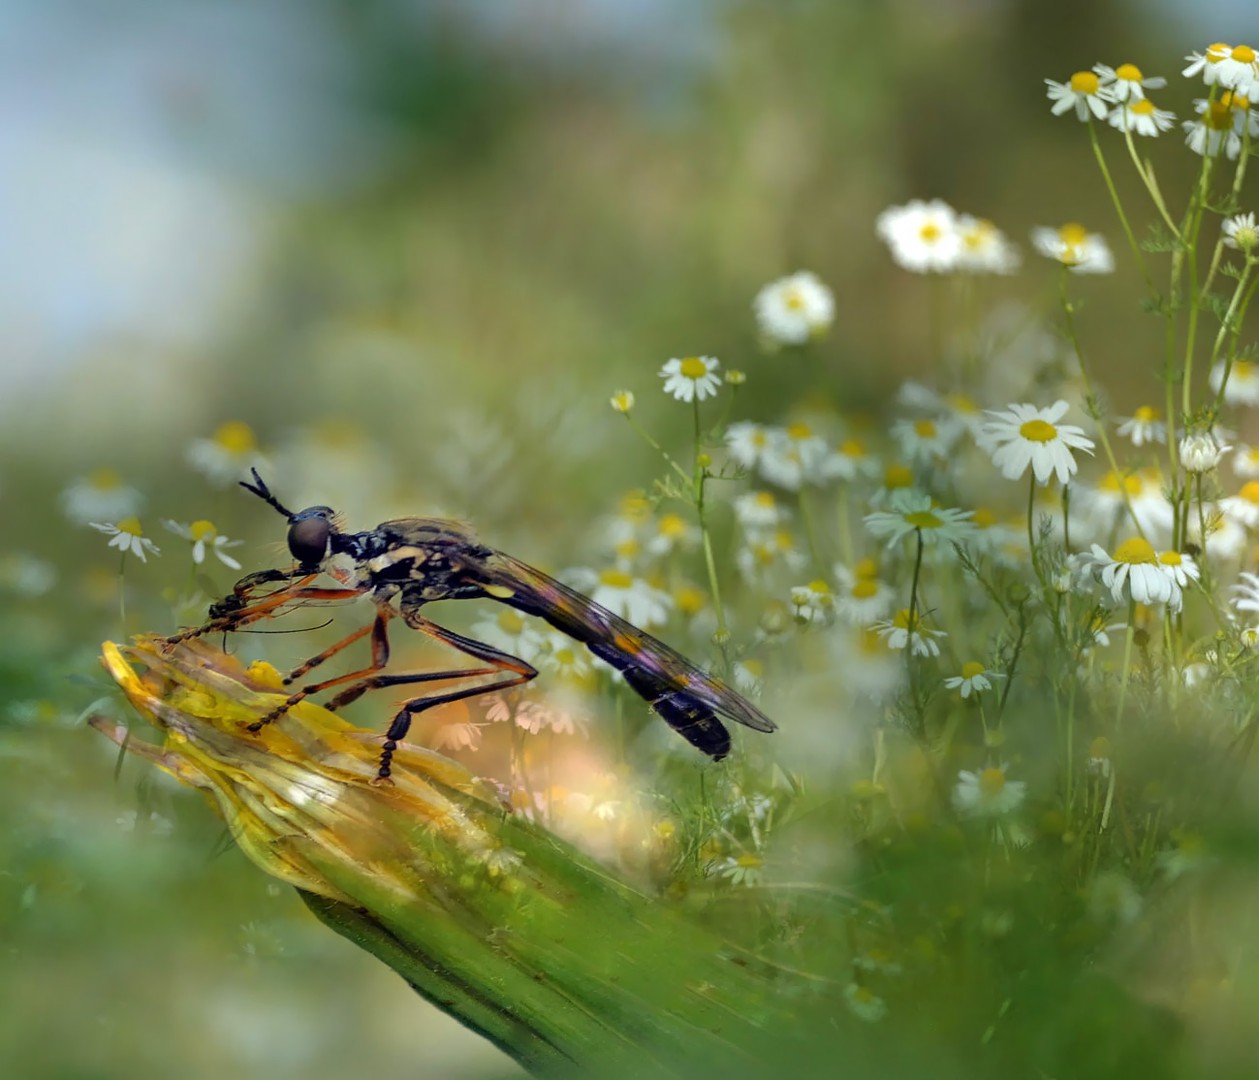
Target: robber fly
416, 561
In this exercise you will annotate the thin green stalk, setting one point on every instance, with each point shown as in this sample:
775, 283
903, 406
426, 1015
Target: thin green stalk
1129, 634
1114, 198
698, 479
1195, 295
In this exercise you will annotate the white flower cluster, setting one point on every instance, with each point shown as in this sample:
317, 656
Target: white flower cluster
933, 238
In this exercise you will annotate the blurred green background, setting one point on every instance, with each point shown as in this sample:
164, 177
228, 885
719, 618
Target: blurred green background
415, 246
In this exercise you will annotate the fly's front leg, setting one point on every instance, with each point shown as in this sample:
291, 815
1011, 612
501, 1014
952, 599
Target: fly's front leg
238, 607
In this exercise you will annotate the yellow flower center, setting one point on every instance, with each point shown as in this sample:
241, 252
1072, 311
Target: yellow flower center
923, 519
971, 669
897, 476
978, 234
793, 300
1146, 414
673, 526
627, 549
1219, 116
1132, 483
690, 599
1038, 431
901, 620
616, 579
817, 585
109, 480
754, 667
864, 589
693, 368
855, 448
1244, 54
984, 518
867, 568
236, 437
863, 994
1135, 550
1073, 234
634, 505
1129, 73
784, 540
509, 622
748, 861
961, 403
799, 430
1171, 558
1142, 107
930, 232
564, 656
1250, 492
924, 429
1099, 747
130, 525
991, 782
764, 499
1242, 369
1085, 82
202, 530
760, 440
1217, 52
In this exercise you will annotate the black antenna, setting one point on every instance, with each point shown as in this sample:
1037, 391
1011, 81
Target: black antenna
259, 488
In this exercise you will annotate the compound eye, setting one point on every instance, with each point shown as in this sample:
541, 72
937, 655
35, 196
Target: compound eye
308, 539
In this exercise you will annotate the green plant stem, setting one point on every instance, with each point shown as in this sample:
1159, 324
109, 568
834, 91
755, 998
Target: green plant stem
698, 480
1129, 634
1118, 205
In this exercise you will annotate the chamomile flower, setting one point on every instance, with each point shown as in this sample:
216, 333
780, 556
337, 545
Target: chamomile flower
227, 455
794, 309
1244, 506
758, 510
1083, 92
747, 443
862, 598
632, 598
1141, 118
26, 575
1126, 82
850, 460
1214, 130
205, 537
509, 631
987, 793
1079, 250
922, 236
1024, 436
100, 496
127, 536
1200, 452
461, 735
744, 869
693, 378
765, 553
748, 675
1242, 387
1240, 232
1183, 570
813, 602
923, 440
899, 634
1134, 572
1226, 537
864, 1003
1143, 426
673, 533
1236, 69
794, 455
1247, 593
974, 679
1104, 505
1245, 462
984, 248
622, 401
912, 511
1207, 63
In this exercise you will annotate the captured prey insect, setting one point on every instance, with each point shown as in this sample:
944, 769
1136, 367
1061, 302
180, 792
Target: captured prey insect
416, 561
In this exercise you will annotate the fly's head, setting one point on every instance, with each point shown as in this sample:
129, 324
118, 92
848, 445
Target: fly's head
313, 532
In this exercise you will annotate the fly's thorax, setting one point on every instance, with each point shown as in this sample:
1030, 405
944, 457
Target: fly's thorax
347, 569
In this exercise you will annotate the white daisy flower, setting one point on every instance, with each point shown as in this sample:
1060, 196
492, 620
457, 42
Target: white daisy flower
561, 656
813, 602
1200, 452
1083, 92
1207, 62
1102, 505
912, 511
227, 455
1182, 569
632, 598
745, 869
1134, 572
794, 309
622, 401
204, 536
1244, 506
974, 679
758, 510
862, 598
864, 1003
924, 440
1143, 426
1247, 590
1214, 130
509, 631
100, 496
848, 461
1240, 232
987, 793
747, 442
1024, 436
462, 735
673, 533
25, 575
1081, 251
692, 378
536, 717
1245, 462
1126, 82
921, 639
985, 248
795, 454
766, 553
127, 536
1242, 387
922, 236
1226, 536
748, 675
1236, 70
1141, 118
